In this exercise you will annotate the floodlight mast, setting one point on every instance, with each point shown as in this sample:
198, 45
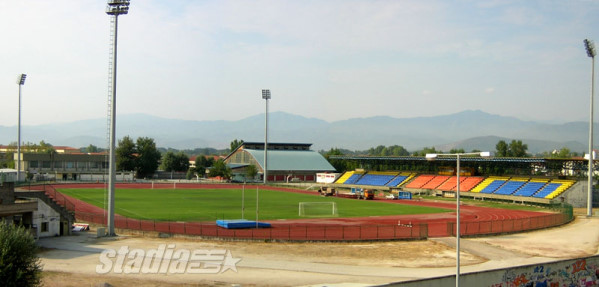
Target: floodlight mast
266, 96
433, 156
20, 82
591, 52
114, 9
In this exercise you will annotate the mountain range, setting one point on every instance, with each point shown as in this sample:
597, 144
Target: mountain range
471, 129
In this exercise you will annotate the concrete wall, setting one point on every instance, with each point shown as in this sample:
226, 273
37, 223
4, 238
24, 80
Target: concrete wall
7, 193
575, 272
48, 215
120, 176
577, 194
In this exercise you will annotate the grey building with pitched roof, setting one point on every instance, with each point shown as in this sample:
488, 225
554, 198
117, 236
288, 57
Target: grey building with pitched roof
286, 161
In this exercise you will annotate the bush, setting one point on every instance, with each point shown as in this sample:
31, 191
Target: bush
19, 264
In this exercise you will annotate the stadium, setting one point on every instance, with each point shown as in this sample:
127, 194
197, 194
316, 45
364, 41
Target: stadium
430, 184
280, 213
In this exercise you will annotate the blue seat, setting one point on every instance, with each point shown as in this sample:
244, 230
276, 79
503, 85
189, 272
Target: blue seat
549, 188
509, 187
353, 179
530, 188
375, 179
493, 186
396, 181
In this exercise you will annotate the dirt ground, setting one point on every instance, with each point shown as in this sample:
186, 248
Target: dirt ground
412, 254
71, 261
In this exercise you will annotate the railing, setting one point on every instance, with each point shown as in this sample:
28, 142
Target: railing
58, 197
327, 231
508, 225
298, 232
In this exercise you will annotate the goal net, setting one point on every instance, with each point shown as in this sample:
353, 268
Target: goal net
318, 209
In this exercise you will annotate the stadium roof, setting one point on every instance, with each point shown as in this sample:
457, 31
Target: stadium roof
462, 159
300, 160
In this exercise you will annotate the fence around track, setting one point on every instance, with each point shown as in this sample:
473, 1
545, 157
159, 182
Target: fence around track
287, 232
490, 227
346, 231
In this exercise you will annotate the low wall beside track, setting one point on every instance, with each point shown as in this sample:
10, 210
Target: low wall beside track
474, 220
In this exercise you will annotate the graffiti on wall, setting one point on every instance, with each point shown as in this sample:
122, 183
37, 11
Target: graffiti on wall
578, 273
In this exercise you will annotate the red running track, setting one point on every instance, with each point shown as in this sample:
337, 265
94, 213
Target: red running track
474, 220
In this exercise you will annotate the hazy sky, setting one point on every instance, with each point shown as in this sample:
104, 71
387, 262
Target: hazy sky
209, 60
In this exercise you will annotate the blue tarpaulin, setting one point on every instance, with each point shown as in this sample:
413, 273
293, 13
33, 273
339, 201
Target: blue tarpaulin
241, 223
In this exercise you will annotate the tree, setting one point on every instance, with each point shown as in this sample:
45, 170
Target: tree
126, 155
235, 144
562, 153
339, 165
518, 149
251, 171
148, 157
457, 150
175, 162
168, 161
45, 148
202, 162
397, 150
91, 149
502, 149
515, 149
220, 169
19, 264
191, 172
425, 150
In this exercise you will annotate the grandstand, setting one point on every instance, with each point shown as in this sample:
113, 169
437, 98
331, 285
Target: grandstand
400, 179
468, 183
489, 184
376, 178
540, 190
511, 186
531, 187
420, 181
343, 178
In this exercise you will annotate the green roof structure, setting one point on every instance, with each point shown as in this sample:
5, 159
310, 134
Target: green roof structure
286, 161
292, 160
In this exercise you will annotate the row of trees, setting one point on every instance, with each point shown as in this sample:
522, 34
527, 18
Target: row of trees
514, 149
140, 156
144, 159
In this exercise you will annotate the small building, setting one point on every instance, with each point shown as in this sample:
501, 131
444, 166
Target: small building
287, 162
13, 210
68, 165
32, 209
47, 222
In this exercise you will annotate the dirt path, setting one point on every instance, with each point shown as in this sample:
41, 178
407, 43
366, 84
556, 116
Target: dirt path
71, 261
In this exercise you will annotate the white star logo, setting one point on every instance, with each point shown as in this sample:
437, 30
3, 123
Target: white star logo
230, 262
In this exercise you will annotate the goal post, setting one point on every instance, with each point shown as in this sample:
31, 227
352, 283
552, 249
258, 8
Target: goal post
318, 209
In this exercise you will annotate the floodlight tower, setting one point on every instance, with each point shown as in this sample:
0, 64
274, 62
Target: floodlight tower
21, 82
266, 96
114, 9
590, 47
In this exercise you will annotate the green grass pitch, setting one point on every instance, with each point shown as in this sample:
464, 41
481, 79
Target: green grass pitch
212, 204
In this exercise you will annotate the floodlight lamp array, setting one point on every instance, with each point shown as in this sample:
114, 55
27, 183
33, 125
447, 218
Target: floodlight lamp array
590, 47
117, 7
266, 94
21, 79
